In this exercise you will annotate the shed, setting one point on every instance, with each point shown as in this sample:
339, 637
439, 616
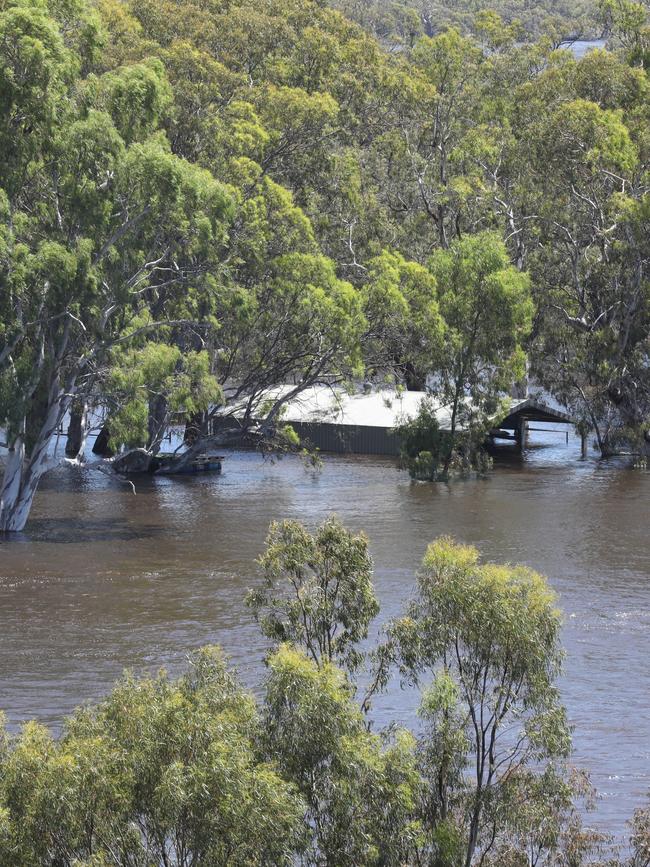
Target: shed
333, 420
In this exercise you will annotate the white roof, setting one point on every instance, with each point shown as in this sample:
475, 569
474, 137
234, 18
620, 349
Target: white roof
382, 408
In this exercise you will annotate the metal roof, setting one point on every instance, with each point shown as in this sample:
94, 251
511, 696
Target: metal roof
386, 407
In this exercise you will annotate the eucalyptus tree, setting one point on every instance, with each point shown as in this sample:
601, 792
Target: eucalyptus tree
487, 309
628, 27
487, 637
318, 592
285, 315
149, 384
300, 326
584, 229
406, 331
360, 790
428, 182
404, 21
161, 772
100, 233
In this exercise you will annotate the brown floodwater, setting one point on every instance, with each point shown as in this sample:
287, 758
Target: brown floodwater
103, 580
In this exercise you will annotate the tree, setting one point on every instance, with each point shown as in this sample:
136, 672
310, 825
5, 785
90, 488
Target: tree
150, 249
488, 637
149, 384
626, 22
640, 838
402, 22
300, 326
405, 329
161, 772
360, 794
99, 235
486, 305
319, 593
424, 448
586, 241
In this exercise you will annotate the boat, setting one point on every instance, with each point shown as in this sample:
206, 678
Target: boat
202, 463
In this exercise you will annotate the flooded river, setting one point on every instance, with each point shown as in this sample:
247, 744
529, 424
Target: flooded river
104, 580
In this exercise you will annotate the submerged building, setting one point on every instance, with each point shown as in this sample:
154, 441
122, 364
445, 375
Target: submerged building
333, 420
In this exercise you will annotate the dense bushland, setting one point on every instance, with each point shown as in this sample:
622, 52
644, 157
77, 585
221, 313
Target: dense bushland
200, 201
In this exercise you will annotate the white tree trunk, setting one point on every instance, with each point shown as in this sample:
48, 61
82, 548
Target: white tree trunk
11, 488
19, 485
22, 474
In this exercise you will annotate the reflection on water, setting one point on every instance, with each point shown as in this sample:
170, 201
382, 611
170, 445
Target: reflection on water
104, 580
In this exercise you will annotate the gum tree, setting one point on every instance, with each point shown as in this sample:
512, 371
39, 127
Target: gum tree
161, 772
583, 228
487, 309
360, 793
101, 228
487, 637
318, 591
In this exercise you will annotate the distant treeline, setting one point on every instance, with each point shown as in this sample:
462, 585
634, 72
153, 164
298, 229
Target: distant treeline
404, 21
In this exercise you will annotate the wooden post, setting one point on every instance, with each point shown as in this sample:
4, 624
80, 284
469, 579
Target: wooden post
520, 433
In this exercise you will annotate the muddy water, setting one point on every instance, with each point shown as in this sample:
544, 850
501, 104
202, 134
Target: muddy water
104, 580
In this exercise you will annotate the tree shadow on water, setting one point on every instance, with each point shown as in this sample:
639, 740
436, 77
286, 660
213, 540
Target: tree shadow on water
83, 531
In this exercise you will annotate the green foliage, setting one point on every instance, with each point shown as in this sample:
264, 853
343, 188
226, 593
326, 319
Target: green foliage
487, 309
489, 637
379, 160
35, 69
301, 323
424, 448
590, 248
430, 454
360, 794
319, 593
628, 23
152, 373
136, 97
406, 330
105, 231
161, 770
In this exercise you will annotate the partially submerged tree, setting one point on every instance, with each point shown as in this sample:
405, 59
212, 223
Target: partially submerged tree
117, 266
98, 229
487, 308
431, 454
151, 384
582, 232
319, 593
